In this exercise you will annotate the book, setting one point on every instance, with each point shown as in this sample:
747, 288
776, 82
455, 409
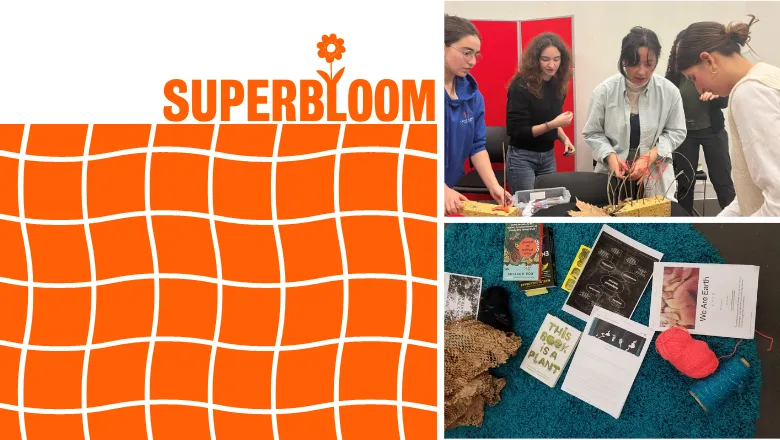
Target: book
548, 267
463, 294
614, 277
607, 360
550, 351
706, 299
522, 251
576, 268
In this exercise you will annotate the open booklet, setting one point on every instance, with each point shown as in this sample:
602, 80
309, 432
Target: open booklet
607, 361
615, 275
706, 299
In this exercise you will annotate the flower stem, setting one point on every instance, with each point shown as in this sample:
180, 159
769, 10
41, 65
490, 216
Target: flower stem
331, 70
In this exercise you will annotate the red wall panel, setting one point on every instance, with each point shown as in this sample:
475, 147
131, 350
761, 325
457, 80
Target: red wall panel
562, 27
500, 51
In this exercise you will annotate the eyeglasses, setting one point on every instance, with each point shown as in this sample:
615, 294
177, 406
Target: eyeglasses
468, 53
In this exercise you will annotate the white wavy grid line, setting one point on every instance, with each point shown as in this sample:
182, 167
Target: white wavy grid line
196, 404
282, 287
214, 217
210, 343
345, 284
93, 290
218, 260
30, 293
408, 263
217, 154
190, 277
156, 270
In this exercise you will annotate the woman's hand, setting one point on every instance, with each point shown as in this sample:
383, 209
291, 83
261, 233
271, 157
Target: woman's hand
562, 120
708, 96
500, 195
452, 201
568, 147
641, 166
617, 165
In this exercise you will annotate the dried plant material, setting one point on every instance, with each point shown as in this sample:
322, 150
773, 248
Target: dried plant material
657, 206
588, 210
479, 209
471, 348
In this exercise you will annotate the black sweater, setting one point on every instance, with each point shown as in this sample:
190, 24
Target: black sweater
717, 121
524, 111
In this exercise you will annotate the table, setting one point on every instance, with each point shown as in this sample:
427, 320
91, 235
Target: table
563, 209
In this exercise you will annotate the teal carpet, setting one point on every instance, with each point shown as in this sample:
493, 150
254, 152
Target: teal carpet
658, 406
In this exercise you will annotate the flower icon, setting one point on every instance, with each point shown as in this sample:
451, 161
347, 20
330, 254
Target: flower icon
330, 48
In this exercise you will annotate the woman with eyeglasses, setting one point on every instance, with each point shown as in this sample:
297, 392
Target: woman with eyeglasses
636, 119
534, 110
709, 55
464, 122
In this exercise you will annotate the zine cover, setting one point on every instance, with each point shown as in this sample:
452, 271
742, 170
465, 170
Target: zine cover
463, 294
614, 277
706, 299
548, 265
522, 251
550, 351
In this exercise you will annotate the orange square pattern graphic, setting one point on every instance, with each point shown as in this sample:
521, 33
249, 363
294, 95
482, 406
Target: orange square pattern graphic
206, 281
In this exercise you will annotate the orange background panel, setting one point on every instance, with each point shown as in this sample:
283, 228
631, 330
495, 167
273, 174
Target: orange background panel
57, 139
236, 426
67, 262
369, 371
53, 379
248, 253
419, 186
420, 375
421, 237
9, 425
116, 185
117, 374
373, 245
13, 312
9, 379
373, 135
242, 189
304, 188
11, 137
311, 250
180, 182
60, 316
368, 181
9, 181
249, 316
424, 316
121, 248
52, 190
175, 422
13, 258
118, 424
187, 309
422, 137
180, 371
320, 425
305, 377
242, 379
298, 139
54, 426
377, 422
124, 310
184, 135
247, 139
107, 138
419, 424
313, 313
184, 245
376, 308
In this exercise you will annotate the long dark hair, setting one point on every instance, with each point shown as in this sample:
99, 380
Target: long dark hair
710, 36
456, 28
637, 38
530, 72
671, 72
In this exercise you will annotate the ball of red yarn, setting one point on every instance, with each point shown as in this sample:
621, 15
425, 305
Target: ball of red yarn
691, 357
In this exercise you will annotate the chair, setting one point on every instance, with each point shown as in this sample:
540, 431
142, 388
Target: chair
587, 186
701, 175
471, 183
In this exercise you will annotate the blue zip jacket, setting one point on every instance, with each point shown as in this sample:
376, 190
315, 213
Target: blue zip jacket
464, 127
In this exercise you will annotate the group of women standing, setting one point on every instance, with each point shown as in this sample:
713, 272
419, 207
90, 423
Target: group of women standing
640, 126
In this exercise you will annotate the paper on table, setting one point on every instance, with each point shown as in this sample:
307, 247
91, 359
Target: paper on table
463, 293
607, 360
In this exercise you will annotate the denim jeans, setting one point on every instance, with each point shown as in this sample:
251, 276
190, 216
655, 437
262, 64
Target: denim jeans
524, 165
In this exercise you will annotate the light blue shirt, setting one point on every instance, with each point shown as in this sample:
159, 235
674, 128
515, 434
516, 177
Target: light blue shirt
661, 120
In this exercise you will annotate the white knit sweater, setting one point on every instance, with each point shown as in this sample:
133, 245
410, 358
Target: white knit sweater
751, 183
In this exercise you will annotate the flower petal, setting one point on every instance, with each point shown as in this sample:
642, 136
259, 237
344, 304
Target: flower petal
337, 55
322, 53
324, 38
340, 41
321, 46
333, 37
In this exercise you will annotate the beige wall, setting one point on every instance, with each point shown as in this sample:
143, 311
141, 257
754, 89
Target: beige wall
599, 28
